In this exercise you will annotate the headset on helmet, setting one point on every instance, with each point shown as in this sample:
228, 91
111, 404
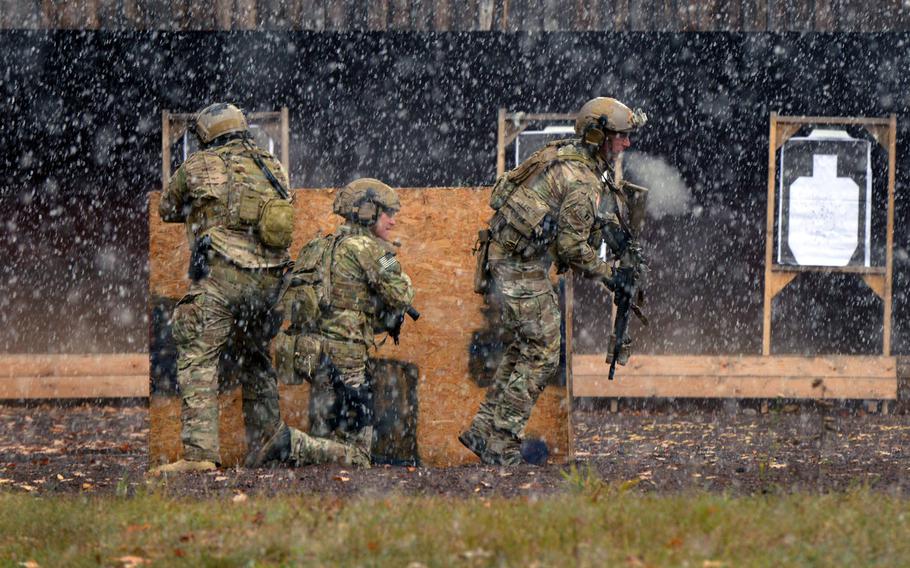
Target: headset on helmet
601, 115
217, 120
364, 199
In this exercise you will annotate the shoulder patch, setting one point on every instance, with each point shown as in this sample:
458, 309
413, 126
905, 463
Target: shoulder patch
387, 262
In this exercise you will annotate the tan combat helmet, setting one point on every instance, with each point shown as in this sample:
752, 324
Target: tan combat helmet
604, 114
216, 120
364, 199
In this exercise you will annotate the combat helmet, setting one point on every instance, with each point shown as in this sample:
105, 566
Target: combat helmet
364, 199
604, 114
217, 120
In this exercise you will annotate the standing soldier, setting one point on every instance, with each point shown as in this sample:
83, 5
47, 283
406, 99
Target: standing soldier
555, 206
233, 198
345, 288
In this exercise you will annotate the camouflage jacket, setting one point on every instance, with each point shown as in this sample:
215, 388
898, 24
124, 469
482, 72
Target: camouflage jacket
367, 264
199, 195
581, 198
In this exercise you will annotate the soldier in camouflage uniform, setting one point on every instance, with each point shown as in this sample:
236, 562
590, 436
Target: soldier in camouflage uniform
347, 287
558, 206
232, 197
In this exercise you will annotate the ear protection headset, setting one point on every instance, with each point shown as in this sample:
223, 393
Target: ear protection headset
596, 132
367, 213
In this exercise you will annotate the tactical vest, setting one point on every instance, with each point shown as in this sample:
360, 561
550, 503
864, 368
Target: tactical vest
251, 202
315, 288
524, 222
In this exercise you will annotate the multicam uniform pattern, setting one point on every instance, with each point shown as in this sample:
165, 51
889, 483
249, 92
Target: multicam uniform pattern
229, 309
366, 280
583, 206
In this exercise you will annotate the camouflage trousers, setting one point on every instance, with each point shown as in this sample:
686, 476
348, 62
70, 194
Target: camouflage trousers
529, 361
224, 322
341, 397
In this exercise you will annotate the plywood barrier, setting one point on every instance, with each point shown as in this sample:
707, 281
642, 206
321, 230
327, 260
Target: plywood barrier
436, 227
779, 376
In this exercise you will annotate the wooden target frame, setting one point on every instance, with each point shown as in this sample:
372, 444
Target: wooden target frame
877, 278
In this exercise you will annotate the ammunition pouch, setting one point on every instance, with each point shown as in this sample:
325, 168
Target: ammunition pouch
276, 223
297, 357
481, 252
502, 190
523, 225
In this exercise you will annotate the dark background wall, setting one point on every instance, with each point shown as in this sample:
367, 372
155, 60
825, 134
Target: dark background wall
80, 148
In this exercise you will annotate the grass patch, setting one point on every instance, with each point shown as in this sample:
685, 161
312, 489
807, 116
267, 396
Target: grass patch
595, 525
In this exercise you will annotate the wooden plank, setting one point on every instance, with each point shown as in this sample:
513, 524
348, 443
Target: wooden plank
889, 244
442, 15
641, 16
840, 377
755, 15
867, 270
876, 283
336, 16
825, 16
779, 281
105, 386
49, 365
400, 14
842, 388
795, 366
485, 10
769, 236
378, 15
827, 120
568, 314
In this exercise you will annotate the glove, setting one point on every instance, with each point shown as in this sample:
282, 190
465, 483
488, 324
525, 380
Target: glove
621, 282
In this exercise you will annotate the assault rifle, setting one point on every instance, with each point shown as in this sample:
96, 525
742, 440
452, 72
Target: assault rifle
394, 329
628, 291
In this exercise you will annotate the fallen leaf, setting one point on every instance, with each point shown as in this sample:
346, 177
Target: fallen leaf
27, 487
341, 478
131, 561
86, 486
239, 498
29, 564
712, 564
525, 486
138, 528
221, 478
411, 469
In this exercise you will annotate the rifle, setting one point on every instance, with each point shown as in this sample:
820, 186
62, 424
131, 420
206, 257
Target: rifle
631, 271
394, 329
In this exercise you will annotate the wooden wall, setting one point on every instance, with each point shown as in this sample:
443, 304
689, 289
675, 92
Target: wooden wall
436, 228
461, 15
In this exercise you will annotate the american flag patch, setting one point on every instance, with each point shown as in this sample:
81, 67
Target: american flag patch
387, 262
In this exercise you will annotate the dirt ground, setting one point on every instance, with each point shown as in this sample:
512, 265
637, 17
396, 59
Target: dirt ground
722, 446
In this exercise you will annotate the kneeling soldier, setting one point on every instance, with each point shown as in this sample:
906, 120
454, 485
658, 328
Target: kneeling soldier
345, 288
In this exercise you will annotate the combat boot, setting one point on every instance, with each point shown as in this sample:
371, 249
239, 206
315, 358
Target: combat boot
312, 450
183, 466
277, 448
473, 441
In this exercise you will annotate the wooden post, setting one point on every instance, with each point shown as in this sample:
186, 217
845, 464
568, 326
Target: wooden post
889, 254
769, 236
501, 143
569, 280
165, 149
285, 141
